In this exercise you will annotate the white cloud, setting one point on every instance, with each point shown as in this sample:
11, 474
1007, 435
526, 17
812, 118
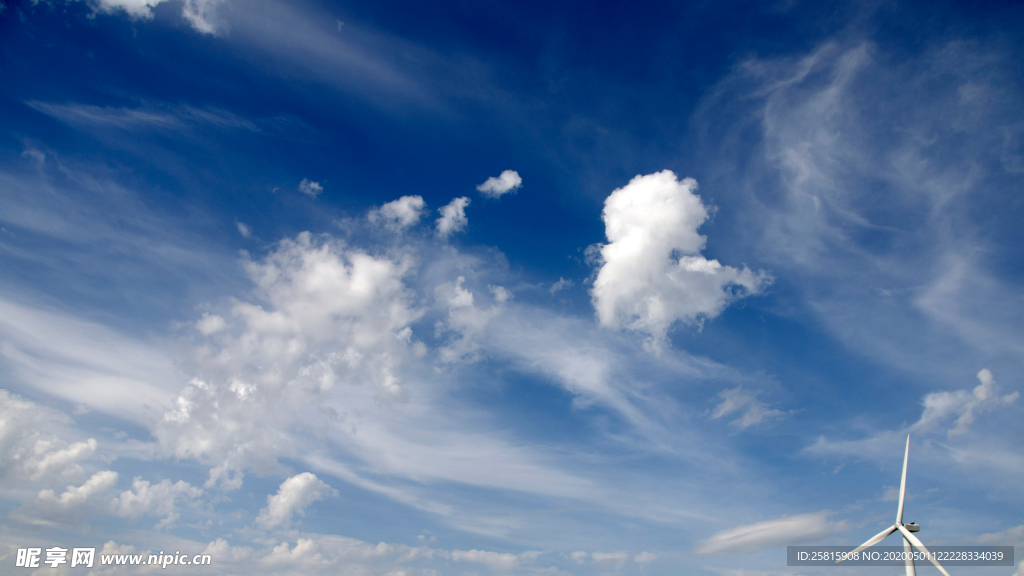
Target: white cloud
330, 316
322, 554
939, 408
324, 367
562, 284
154, 499
293, 497
59, 459
31, 450
56, 481
600, 368
75, 496
465, 319
210, 324
317, 554
752, 411
453, 217
495, 187
497, 560
399, 214
199, 13
864, 190
644, 558
202, 14
85, 363
787, 530
134, 8
964, 405
225, 552
652, 274
608, 558
244, 230
1009, 537
310, 188
178, 118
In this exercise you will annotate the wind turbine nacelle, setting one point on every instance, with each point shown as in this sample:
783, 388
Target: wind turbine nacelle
912, 527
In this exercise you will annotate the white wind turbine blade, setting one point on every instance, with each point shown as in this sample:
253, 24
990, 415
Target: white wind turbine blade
903, 483
874, 540
917, 543
909, 561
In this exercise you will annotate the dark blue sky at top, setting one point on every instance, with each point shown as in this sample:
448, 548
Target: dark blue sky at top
581, 97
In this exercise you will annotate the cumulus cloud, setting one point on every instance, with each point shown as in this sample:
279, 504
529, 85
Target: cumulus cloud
562, 284
310, 188
453, 217
499, 560
322, 366
940, 409
225, 552
75, 496
210, 324
779, 532
329, 315
54, 479
244, 230
48, 460
495, 187
608, 558
31, 453
466, 319
327, 554
293, 497
134, 8
201, 14
652, 274
963, 405
644, 558
752, 411
154, 499
399, 214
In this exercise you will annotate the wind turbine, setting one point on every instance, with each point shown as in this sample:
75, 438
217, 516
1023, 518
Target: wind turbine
906, 529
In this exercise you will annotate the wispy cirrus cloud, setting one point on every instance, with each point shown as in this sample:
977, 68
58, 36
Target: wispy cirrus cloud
787, 530
147, 117
745, 404
862, 161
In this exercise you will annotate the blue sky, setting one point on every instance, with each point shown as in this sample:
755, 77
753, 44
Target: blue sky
508, 288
